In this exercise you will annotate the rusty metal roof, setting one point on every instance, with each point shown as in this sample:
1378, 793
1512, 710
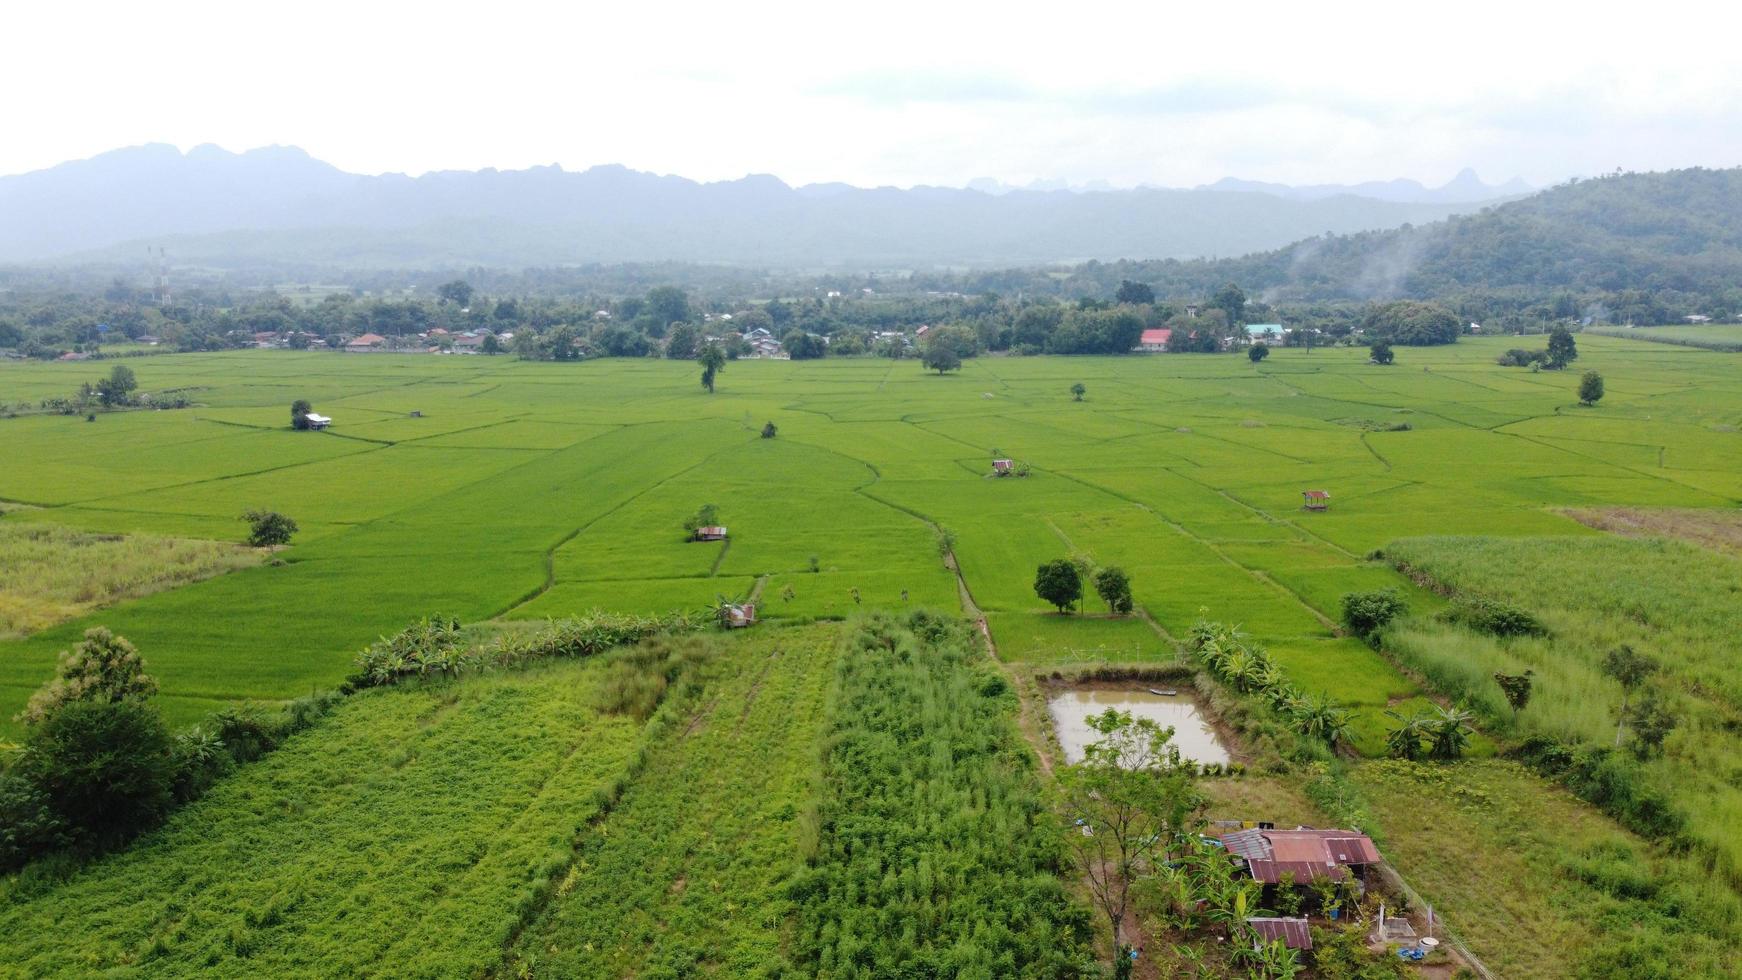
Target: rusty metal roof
1304, 853
1292, 932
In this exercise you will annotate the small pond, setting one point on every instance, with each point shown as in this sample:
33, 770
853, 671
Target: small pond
1193, 736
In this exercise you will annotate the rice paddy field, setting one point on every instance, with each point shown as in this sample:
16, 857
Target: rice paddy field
494, 489
1712, 336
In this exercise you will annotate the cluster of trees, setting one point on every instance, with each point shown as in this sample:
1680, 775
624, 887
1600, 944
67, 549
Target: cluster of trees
1060, 583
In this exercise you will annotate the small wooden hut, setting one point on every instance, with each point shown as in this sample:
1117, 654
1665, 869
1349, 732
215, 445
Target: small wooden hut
712, 532
740, 616
1002, 467
1317, 499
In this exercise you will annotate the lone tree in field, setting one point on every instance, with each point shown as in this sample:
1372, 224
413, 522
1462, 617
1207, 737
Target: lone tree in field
1630, 669
769, 430
102, 667
1516, 689
1562, 349
1078, 390
1258, 352
1131, 798
1380, 352
713, 361
299, 410
117, 388
1590, 388
268, 528
1059, 583
1114, 588
941, 358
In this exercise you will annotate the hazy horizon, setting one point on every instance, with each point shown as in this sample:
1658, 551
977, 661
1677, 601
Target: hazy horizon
1042, 182
902, 95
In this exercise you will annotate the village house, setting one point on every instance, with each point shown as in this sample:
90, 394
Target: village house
1153, 341
366, 343
1304, 854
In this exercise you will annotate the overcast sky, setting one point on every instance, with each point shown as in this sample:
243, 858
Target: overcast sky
891, 92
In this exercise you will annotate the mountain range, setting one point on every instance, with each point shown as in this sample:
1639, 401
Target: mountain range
1465, 188
278, 206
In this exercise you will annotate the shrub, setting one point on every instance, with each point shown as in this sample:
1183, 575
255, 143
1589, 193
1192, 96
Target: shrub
428, 645
1590, 388
1495, 618
102, 667
28, 824
199, 760
105, 767
1366, 613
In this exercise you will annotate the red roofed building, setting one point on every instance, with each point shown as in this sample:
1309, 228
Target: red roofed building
1154, 340
1305, 854
367, 342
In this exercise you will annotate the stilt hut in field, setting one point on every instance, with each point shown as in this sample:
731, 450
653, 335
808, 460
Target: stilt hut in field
1002, 467
1317, 499
738, 615
712, 532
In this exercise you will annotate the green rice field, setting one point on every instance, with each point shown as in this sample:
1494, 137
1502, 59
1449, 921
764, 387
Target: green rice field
532, 490
496, 490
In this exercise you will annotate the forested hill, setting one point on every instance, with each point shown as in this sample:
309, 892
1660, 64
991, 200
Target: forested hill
278, 207
1639, 247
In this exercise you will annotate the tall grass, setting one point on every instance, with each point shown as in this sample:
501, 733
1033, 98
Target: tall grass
50, 574
1674, 601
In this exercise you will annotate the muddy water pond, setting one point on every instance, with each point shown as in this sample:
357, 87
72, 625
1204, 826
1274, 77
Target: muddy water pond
1192, 734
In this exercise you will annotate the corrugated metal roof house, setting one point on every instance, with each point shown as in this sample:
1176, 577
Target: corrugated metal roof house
1306, 854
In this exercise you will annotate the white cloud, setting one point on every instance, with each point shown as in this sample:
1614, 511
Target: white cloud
899, 92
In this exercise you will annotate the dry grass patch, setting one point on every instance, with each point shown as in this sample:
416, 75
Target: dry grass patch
50, 574
1720, 530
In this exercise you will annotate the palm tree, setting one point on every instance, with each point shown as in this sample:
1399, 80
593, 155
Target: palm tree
1405, 741
1448, 732
1320, 718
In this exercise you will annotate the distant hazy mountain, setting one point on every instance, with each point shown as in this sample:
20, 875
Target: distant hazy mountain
279, 206
1465, 188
